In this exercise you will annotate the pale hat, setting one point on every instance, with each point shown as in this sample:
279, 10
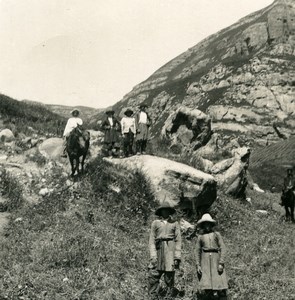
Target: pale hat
206, 218
75, 111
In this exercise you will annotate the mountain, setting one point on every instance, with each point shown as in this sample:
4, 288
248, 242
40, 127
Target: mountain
20, 115
242, 76
86, 112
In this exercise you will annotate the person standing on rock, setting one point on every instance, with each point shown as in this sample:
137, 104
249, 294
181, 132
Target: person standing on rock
165, 251
142, 121
72, 123
128, 132
210, 254
112, 129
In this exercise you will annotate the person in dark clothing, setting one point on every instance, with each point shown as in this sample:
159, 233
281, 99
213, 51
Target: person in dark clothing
112, 129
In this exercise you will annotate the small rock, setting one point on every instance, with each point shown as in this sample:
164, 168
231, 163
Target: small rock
43, 192
257, 188
248, 199
262, 212
18, 219
66, 279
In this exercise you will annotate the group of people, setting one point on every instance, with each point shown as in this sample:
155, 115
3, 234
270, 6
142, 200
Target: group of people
132, 127
165, 256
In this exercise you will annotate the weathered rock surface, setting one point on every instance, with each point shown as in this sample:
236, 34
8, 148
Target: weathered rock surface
51, 148
188, 127
242, 77
173, 182
231, 174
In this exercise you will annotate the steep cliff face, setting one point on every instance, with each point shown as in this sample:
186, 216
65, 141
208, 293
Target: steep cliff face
243, 77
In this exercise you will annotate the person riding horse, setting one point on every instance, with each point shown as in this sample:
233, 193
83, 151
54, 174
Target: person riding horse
72, 123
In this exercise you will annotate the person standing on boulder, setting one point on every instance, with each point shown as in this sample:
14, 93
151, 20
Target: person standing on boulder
143, 122
112, 128
210, 251
165, 251
72, 123
128, 132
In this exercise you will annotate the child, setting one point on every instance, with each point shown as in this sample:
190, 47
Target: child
210, 260
165, 251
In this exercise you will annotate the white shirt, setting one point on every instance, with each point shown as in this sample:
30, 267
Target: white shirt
111, 121
71, 124
142, 117
128, 123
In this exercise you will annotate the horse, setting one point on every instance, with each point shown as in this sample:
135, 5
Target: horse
288, 201
77, 146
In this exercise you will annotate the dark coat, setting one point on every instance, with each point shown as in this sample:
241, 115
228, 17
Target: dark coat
112, 133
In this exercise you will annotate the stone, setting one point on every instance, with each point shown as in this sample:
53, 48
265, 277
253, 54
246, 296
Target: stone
176, 183
52, 148
231, 174
190, 127
6, 135
43, 192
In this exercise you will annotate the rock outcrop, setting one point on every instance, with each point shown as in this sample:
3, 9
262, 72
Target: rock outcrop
231, 174
180, 185
187, 127
242, 77
51, 148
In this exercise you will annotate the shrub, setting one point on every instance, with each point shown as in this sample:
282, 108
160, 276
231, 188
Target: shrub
11, 190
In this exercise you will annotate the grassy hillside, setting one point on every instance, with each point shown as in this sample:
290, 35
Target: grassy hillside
65, 111
268, 164
89, 241
19, 115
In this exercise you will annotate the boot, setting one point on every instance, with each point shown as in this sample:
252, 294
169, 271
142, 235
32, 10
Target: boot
138, 147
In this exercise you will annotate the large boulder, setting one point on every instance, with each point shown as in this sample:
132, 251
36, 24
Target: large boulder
190, 128
231, 174
52, 148
179, 184
6, 135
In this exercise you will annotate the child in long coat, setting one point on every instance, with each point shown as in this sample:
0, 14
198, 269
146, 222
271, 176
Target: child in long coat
165, 251
210, 251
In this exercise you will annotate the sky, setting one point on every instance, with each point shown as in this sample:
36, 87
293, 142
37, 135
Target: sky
93, 52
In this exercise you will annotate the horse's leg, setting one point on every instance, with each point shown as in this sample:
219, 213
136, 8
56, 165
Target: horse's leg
292, 210
77, 164
287, 212
82, 163
72, 165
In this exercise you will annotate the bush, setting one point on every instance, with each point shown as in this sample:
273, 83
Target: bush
11, 190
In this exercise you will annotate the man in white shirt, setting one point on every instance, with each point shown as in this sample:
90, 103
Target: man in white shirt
128, 131
72, 123
142, 121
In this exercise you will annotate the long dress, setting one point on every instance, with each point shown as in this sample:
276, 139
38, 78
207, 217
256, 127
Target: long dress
210, 253
165, 244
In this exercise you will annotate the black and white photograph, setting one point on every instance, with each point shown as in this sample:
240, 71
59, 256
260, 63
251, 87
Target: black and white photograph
147, 149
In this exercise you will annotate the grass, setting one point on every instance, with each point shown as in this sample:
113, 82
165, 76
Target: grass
89, 241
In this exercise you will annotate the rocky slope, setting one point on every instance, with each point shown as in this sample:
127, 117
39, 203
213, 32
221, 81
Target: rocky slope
242, 76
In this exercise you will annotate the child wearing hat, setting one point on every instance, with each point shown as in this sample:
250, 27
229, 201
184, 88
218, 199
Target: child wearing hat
128, 132
143, 122
112, 128
165, 251
72, 123
210, 251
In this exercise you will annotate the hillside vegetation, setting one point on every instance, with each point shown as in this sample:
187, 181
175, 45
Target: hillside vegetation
88, 240
19, 116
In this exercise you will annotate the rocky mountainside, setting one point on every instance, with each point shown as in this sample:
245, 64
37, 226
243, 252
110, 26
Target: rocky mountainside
242, 77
